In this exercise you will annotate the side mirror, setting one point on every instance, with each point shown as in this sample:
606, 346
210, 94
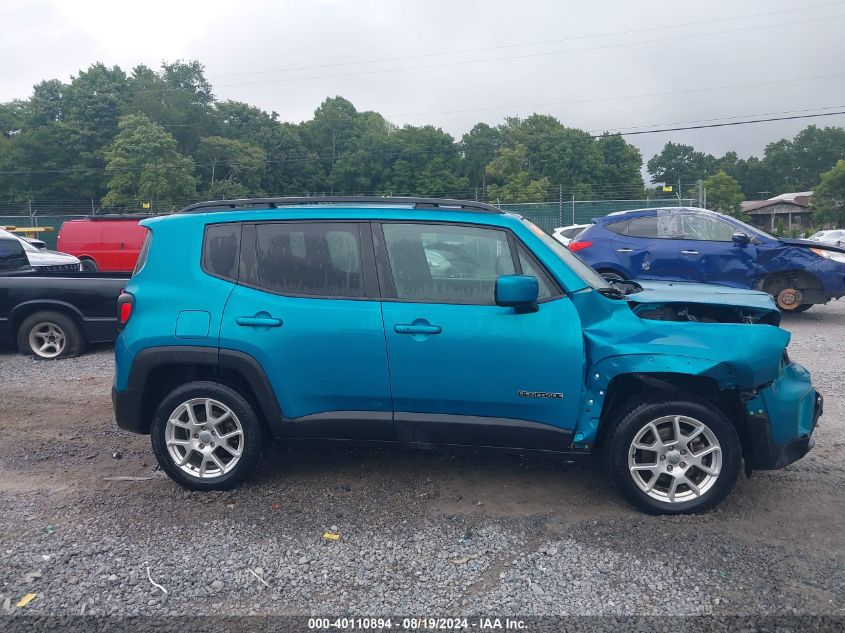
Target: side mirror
517, 291
740, 238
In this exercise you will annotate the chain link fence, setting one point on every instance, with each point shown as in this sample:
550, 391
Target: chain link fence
546, 215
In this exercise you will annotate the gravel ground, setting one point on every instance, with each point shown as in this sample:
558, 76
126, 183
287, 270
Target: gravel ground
422, 532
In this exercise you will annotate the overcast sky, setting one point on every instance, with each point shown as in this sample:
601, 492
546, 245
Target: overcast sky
599, 65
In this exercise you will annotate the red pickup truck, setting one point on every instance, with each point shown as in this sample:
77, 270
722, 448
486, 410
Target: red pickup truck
110, 243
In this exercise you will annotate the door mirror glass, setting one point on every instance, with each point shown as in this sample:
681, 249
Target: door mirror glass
517, 291
740, 238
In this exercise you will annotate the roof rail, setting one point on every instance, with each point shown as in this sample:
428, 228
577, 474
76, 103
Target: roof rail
274, 203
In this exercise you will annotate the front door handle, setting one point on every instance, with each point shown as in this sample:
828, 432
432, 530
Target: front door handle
624, 250
415, 328
258, 321
689, 252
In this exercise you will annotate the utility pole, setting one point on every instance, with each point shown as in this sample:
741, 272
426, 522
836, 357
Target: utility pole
573, 208
700, 187
679, 190
29, 210
476, 194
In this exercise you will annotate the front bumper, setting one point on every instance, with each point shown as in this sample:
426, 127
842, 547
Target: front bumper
783, 409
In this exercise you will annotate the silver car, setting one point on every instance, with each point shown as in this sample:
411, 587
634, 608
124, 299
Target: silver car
835, 237
44, 260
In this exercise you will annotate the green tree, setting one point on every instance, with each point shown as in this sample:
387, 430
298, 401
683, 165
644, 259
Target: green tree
479, 147
680, 163
510, 170
226, 159
828, 201
723, 193
797, 164
621, 171
144, 164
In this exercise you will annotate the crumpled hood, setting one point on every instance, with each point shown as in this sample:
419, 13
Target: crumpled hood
812, 244
659, 292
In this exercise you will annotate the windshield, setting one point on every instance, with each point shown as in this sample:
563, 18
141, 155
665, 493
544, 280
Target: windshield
583, 270
26, 245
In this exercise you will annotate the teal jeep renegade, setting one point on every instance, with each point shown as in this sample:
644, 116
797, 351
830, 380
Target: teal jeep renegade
443, 322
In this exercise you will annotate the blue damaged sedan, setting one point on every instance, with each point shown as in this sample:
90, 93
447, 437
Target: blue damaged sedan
697, 245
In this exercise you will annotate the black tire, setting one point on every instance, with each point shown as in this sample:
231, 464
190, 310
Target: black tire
636, 416
40, 322
802, 308
88, 265
251, 447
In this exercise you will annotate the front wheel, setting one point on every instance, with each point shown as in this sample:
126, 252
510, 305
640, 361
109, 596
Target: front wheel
678, 455
206, 436
88, 265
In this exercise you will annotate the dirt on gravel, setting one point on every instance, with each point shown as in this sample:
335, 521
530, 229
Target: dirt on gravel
86, 513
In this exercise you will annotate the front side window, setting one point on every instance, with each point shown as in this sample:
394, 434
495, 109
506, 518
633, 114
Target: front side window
447, 264
529, 268
309, 258
698, 226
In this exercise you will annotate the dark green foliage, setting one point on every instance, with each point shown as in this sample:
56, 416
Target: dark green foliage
160, 136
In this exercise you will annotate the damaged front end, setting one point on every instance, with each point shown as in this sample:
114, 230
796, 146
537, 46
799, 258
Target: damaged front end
719, 343
703, 304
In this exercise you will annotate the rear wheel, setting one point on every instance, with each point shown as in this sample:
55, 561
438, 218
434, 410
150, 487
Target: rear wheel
206, 436
49, 335
88, 265
680, 455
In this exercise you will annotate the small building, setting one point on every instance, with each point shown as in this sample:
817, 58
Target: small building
792, 210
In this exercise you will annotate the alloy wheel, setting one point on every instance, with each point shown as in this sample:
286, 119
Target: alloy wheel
47, 340
675, 458
204, 438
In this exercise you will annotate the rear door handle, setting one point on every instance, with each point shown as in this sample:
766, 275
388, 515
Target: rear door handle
689, 252
411, 328
624, 250
259, 321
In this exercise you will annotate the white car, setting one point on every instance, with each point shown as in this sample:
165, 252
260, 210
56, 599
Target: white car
835, 237
566, 234
44, 260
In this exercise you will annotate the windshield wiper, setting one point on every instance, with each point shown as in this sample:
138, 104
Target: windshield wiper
611, 292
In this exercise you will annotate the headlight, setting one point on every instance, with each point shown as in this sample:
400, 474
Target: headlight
832, 255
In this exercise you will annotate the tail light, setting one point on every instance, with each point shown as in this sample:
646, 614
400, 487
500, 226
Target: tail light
578, 246
125, 306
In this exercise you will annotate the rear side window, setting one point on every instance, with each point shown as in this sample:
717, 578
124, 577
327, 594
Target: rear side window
618, 227
309, 259
145, 249
221, 250
643, 227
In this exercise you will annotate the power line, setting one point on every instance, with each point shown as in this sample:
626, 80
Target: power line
622, 97
525, 44
532, 55
731, 123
